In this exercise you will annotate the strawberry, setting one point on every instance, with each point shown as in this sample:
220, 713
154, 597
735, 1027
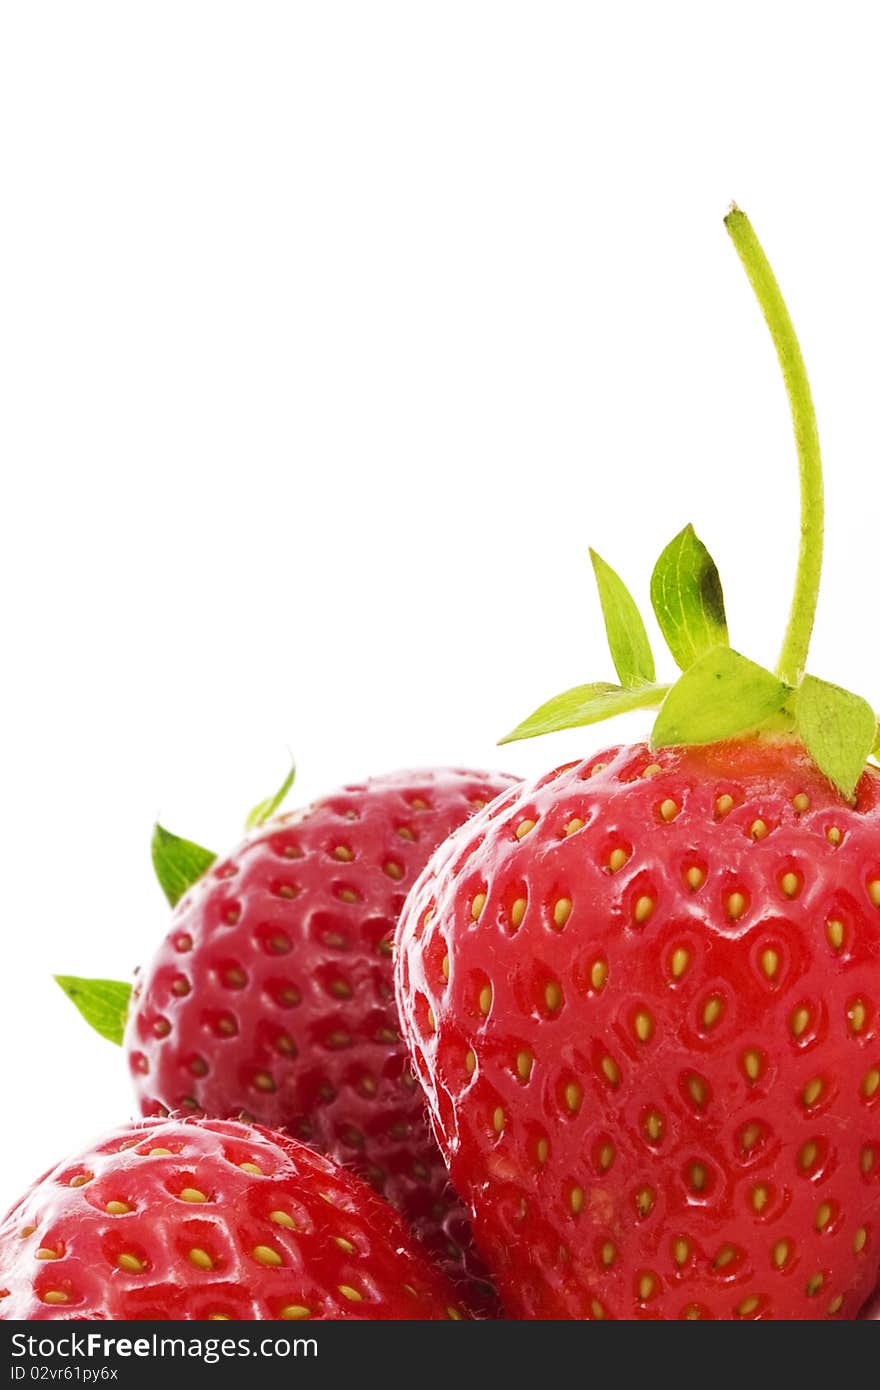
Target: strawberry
272, 994
642, 991
643, 998
192, 1219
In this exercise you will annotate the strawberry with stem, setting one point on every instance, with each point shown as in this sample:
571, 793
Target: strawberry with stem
641, 991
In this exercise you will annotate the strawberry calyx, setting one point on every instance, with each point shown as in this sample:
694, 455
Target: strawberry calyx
178, 865
260, 813
721, 694
102, 1003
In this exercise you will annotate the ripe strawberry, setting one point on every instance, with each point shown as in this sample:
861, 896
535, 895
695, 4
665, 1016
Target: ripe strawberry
642, 995
272, 994
642, 992
210, 1219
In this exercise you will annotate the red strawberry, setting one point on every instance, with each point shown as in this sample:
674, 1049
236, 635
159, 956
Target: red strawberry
644, 1006
210, 1219
272, 994
642, 992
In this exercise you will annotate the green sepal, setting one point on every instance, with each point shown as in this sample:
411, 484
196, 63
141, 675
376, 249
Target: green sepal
264, 809
723, 694
102, 1003
627, 638
178, 863
585, 704
839, 731
687, 599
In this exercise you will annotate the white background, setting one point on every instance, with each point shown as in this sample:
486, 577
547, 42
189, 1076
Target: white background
330, 337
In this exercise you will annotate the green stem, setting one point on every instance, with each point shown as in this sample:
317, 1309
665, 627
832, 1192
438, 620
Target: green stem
793, 656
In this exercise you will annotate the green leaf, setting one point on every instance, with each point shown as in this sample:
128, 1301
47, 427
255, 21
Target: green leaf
264, 809
102, 1003
585, 704
627, 638
839, 730
721, 695
687, 599
178, 863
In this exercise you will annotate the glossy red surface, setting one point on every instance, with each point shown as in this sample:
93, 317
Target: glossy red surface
655, 1062
208, 1219
272, 993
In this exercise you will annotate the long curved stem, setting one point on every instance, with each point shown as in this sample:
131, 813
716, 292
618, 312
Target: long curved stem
793, 656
